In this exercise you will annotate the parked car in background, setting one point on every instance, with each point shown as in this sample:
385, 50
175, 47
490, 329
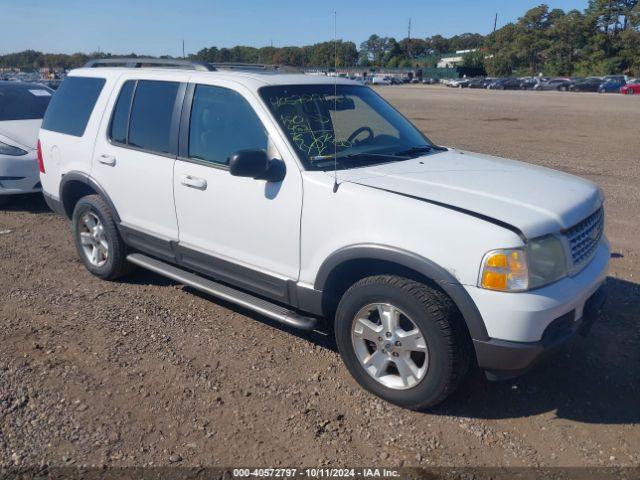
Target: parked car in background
380, 81
480, 82
429, 81
559, 84
22, 106
612, 85
624, 78
459, 83
590, 84
528, 83
506, 84
631, 88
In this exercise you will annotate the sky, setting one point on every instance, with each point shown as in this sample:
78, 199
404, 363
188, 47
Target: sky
159, 27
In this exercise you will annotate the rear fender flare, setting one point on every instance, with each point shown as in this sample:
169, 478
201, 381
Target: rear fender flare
80, 177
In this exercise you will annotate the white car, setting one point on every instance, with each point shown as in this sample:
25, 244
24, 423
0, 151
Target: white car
22, 106
306, 198
380, 81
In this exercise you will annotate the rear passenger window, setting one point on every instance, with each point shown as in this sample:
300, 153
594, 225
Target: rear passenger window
151, 114
222, 122
72, 104
120, 118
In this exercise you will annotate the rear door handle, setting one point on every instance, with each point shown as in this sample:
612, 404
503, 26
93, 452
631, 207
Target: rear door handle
107, 160
193, 182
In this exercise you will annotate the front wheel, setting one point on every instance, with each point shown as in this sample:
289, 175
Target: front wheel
402, 340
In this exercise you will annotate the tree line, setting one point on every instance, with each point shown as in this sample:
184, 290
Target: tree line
602, 39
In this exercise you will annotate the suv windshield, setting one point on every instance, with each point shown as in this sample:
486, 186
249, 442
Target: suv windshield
349, 124
23, 101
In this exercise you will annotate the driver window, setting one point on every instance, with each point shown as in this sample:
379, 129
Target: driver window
223, 122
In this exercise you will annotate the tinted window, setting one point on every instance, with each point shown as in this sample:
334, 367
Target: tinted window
23, 101
120, 118
72, 104
151, 113
222, 122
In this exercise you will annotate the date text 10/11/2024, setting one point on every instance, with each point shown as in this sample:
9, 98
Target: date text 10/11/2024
316, 472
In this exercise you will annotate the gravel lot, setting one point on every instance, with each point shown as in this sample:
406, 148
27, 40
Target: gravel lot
147, 372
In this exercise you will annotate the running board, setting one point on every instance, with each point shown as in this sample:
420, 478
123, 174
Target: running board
246, 300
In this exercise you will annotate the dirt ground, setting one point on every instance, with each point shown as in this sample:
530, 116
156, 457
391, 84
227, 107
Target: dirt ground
147, 372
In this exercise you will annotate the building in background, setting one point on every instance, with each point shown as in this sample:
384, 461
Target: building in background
454, 60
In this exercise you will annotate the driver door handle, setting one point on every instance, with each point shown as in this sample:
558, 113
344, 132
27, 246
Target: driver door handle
193, 182
107, 159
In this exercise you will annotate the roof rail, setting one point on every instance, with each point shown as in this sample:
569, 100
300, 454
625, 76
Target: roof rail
252, 66
150, 62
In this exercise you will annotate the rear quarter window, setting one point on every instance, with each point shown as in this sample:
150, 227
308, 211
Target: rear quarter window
71, 106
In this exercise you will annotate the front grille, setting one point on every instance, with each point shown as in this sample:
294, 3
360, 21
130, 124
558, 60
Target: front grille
584, 237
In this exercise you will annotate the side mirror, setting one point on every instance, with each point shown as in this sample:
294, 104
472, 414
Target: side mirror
257, 165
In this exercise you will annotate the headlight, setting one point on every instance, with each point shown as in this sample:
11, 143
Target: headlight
541, 262
547, 261
11, 150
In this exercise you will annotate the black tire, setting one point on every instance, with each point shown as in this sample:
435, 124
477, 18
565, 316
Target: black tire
5, 200
441, 326
116, 264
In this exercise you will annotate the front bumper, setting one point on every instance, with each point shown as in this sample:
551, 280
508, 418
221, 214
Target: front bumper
19, 174
502, 359
524, 317
524, 328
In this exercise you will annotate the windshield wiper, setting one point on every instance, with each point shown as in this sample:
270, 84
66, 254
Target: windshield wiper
419, 149
352, 156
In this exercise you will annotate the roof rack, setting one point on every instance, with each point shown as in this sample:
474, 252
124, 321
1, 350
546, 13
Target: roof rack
150, 62
253, 67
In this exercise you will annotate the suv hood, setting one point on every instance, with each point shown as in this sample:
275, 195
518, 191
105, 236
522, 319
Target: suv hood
24, 132
535, 200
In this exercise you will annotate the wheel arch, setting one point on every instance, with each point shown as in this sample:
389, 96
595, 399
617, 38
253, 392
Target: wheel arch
75, 185
349, 264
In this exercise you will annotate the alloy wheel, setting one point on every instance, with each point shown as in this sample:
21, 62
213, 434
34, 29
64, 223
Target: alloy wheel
93, 239
390, 346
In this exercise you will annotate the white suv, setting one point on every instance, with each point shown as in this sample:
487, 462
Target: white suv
303, 197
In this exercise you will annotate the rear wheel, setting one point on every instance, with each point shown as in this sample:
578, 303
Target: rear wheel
97, 239
402, 340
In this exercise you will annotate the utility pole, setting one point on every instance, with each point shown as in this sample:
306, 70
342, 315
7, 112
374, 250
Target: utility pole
495, 23
409, 40
183, 57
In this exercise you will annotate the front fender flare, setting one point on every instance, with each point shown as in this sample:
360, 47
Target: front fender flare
414, 262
